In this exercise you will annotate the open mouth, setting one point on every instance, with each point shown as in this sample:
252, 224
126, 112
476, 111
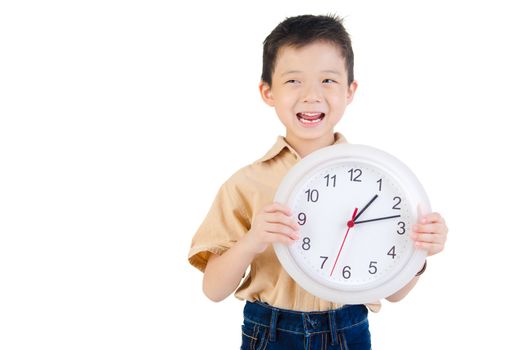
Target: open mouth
310, 118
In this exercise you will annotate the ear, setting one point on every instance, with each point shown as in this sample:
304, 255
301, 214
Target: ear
265, 93
351, 91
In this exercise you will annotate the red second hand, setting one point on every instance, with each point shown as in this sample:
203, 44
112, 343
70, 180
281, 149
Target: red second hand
350, 224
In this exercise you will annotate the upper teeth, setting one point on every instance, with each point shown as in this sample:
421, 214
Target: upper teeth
310, 117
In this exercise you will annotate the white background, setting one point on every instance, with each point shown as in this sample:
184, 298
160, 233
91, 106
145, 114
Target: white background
119, 120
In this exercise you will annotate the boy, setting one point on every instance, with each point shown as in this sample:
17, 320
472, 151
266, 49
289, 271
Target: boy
308, 78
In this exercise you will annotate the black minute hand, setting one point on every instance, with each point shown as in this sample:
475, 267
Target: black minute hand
377, 219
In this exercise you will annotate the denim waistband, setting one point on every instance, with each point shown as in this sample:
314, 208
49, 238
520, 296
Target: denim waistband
305, 322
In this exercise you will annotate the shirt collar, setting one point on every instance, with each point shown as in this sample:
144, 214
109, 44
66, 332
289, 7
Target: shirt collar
282, 144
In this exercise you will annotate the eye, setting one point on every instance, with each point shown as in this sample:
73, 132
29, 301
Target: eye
292, 81
328, 81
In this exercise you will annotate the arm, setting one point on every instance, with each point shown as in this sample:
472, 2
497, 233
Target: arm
223, 272
429, 234
402, 293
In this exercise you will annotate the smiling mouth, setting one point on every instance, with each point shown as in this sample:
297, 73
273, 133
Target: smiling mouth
310, 117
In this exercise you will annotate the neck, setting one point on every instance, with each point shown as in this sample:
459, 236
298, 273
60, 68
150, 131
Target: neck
304, 147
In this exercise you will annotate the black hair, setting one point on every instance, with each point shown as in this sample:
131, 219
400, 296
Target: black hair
302, 30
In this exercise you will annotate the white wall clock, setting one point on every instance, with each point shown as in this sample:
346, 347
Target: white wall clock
355, 206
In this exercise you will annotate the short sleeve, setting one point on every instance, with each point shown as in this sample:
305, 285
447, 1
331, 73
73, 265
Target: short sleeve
226, 222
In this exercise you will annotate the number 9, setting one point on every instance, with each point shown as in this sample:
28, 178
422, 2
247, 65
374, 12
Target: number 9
302, 218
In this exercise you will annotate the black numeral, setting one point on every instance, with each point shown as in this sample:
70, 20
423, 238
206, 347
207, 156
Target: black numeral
401, 230
346, 272
328, 178
324, 260
379, 188
302, 218
312, 195
372, 267
398, 202
355, 175
306, 243
392, 252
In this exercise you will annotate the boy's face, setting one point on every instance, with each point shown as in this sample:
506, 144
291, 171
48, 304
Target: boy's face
309, 91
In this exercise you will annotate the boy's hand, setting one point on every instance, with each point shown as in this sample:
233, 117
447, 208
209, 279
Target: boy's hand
273, 224
430, 233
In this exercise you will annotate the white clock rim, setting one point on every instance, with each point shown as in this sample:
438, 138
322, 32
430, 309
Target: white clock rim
419, 204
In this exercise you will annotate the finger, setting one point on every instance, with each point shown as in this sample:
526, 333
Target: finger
432, 248
282, 230
426, 238
278, 238
280, 218
274, 207
432, 218
429, 228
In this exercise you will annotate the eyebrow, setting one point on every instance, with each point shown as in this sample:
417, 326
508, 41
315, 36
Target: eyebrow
331, 71
290, 72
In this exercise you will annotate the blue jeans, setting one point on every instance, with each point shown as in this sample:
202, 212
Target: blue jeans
270, 328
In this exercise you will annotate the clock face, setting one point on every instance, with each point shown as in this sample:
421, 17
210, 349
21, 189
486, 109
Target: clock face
355, 206
355, 221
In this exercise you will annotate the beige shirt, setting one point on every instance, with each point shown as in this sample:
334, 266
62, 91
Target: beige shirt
237, 203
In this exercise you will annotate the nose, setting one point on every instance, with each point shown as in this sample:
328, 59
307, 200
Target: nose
312, 94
